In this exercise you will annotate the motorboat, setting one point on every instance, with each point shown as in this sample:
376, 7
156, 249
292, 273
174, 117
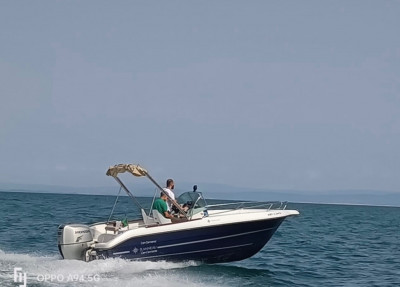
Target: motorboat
208, 233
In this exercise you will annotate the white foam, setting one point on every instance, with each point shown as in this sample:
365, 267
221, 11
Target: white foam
53, 271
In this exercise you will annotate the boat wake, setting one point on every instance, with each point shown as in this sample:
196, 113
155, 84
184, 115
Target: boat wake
53, 271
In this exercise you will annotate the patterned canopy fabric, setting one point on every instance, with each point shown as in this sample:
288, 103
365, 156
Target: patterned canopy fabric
134, 169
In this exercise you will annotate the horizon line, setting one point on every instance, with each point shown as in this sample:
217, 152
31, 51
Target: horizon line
295, 202
252, 189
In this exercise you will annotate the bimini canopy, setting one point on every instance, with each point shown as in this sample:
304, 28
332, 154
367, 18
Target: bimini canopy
134, 169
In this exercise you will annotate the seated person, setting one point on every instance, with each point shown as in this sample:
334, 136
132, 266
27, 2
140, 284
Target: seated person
169, 190
160, 205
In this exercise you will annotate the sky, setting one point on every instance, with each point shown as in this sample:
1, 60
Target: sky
278, 95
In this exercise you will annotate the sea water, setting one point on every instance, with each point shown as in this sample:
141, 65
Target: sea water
326, 245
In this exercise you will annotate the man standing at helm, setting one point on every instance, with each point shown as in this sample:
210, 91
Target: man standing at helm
169, 192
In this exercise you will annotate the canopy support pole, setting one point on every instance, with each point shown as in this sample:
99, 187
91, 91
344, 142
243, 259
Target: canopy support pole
115, 203
128, 192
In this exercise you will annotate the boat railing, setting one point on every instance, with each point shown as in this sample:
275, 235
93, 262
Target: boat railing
231, 206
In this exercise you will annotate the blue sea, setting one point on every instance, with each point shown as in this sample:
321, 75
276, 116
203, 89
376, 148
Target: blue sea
326, 245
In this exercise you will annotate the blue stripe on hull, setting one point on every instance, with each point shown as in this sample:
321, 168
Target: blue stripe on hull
215, 244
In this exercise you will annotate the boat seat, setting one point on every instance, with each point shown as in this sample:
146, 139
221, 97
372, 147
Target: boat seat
105, 237
159, 218
113, 226
148, 220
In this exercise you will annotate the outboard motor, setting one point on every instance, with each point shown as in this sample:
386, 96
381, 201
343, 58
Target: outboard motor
74, 240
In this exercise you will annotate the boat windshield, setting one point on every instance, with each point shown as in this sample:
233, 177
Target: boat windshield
194, 201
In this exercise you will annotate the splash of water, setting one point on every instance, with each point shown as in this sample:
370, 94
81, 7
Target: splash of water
53, 271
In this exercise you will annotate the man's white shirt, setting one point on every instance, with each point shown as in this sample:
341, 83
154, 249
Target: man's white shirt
171, 195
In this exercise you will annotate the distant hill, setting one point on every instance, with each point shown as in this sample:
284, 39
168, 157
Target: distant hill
367, 197
221, 191
55, 189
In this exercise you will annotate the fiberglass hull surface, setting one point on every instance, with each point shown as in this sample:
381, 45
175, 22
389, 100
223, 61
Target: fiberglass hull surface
214, 244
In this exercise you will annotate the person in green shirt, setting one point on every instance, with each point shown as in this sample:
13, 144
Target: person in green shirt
160, 204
